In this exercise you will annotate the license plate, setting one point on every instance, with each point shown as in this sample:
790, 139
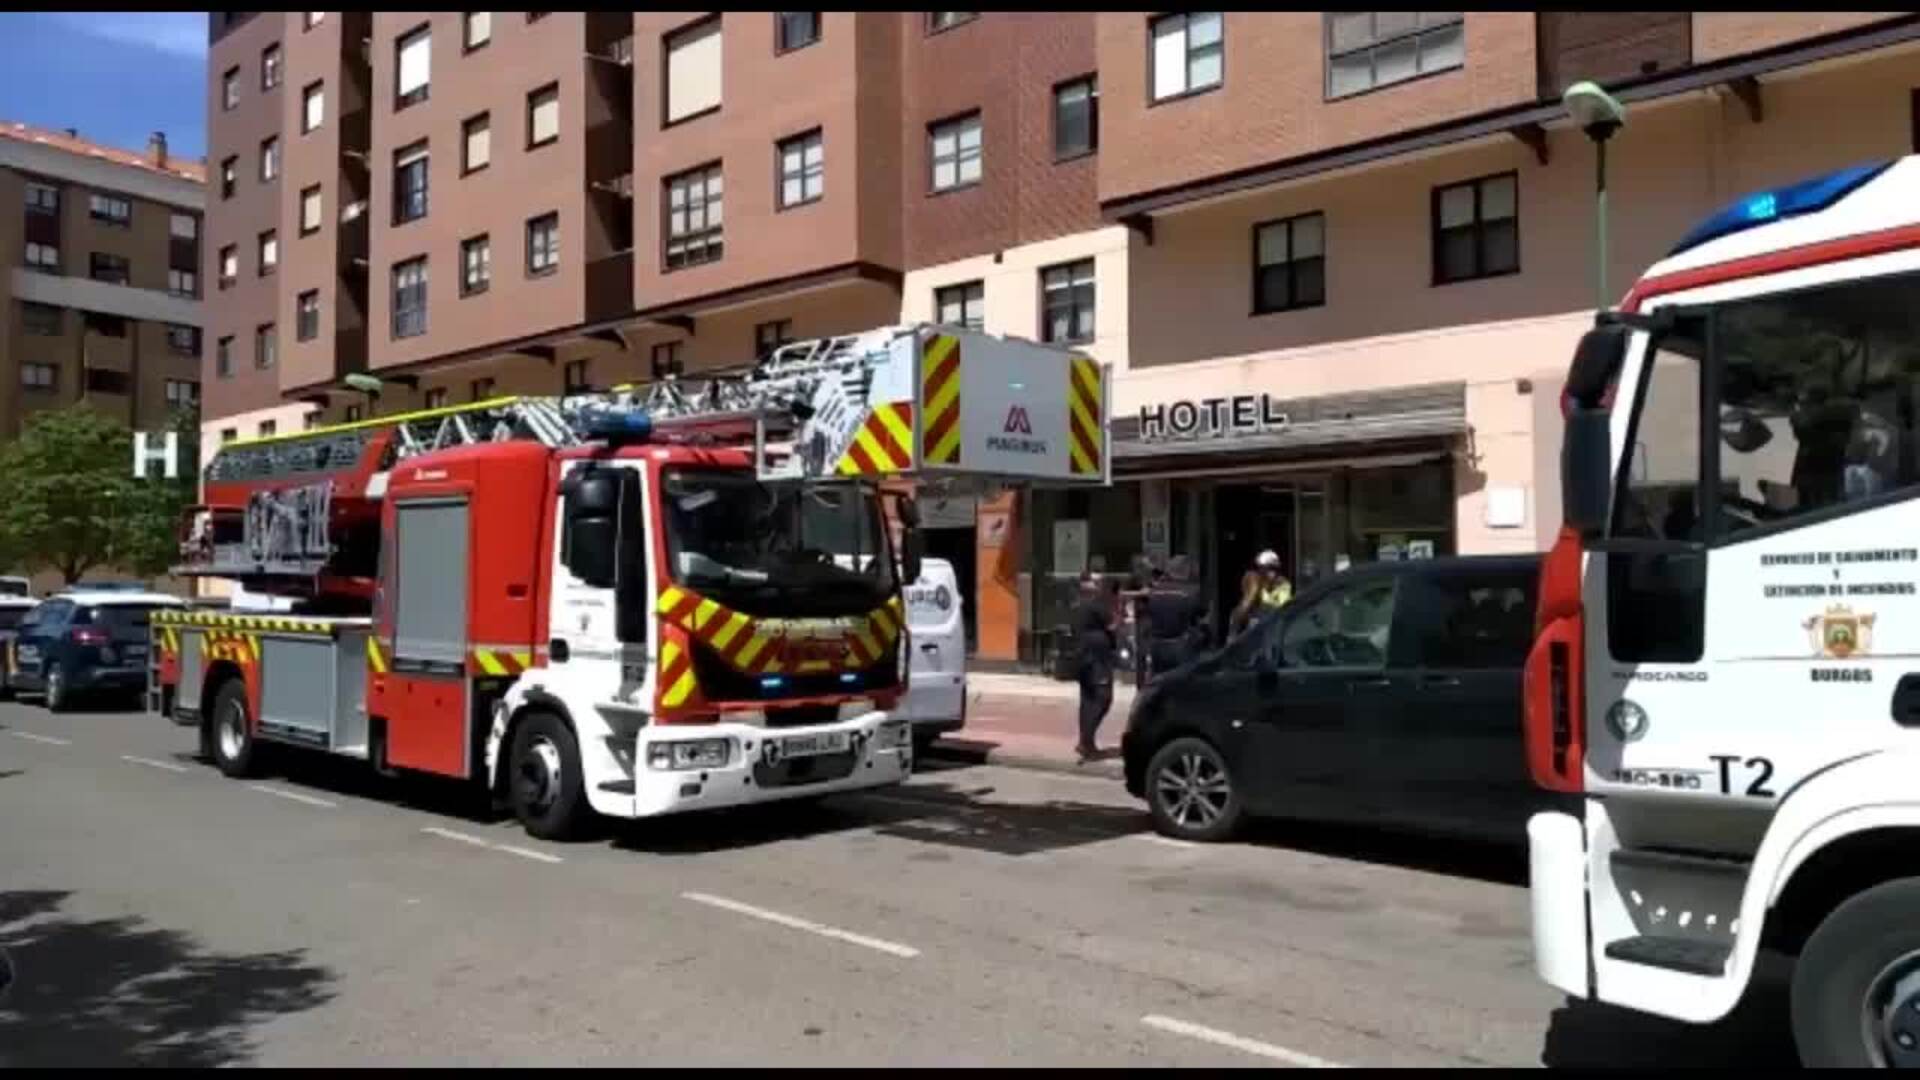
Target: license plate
827, 742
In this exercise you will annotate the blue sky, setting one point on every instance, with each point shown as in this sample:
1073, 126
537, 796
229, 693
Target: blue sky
117, 76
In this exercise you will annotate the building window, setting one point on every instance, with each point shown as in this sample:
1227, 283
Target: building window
269, 158
183, 393
480, 389
229, 266
351, 414
43, 257
42, 199
113, 326
1066, 302
314, 18
693, 230
269, 428
230, 88
266, 345
310, 210
44, 319
536, 16
768, 336
664, 359
693, 71
269, 252
574, 377
306, 320
954, 149
313, 106
478, 29
113, 269
1290, 263
947, 20
1476, 229
543, 245
111, 209
228, 434
410, 297
270, 71
476, 265
410, 183
435, 398
413, 55
183, 340
543, 116
961, 305
34, 376
803, 169
795, 29
183, 227
229, 176
106, 381
1187, 54
223, 357
476, 143
1076, 118
184, 284
1368, 49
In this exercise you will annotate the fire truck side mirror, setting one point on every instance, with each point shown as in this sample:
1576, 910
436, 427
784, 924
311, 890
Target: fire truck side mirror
913, 553
1586, 476
589, 543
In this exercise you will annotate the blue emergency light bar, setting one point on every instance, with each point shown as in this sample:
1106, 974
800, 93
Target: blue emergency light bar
1767, 207
620, 426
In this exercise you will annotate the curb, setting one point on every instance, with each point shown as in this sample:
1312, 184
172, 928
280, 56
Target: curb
978, 753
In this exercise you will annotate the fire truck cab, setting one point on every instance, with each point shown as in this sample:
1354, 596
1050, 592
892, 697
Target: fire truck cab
1727, 658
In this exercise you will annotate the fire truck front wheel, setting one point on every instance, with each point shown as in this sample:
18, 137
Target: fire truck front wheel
1856, 986
230, 730
548, 791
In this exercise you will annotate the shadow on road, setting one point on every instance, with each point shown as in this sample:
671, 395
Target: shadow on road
1500, 864
116, 992
350, 777
1757, 1034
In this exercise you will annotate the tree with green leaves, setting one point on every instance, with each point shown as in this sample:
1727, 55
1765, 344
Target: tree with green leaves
69, 501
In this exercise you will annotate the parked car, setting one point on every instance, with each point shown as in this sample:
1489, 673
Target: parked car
1387, 694
11, 585
12, 610
77, 643
936, 698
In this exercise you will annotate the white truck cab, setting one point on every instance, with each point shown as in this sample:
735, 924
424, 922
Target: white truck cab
936, 699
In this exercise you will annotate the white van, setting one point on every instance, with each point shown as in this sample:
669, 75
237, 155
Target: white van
936, 698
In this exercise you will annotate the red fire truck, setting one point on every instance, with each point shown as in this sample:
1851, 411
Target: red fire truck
628, 604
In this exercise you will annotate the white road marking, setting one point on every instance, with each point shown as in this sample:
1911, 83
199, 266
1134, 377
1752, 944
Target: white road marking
525, 853
791, 922
295, 796
1238, 1042
451, 835
528, 853
41, 738
152, 764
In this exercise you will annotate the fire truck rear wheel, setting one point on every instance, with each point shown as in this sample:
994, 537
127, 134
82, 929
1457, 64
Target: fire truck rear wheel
1856, 986
230, 730
548, 792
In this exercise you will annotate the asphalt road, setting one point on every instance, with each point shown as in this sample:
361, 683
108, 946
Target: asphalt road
158, 913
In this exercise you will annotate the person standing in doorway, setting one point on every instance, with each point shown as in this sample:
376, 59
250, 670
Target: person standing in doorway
1176, 618
1263, 589
1095, 644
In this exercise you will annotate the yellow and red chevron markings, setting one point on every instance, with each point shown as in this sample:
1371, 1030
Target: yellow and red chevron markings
1084, 397
677, 684
226, 645
499, 659
940, 396
376, 656
884, 443
766, 646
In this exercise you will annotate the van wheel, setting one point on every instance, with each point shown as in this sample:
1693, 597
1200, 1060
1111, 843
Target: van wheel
1856, 986
546, 786
230, 731
1190, 792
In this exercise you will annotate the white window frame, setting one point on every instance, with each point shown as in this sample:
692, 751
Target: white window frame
1439, 34
184, 284
543, 112
268, 251
480, 127
543, 258
113, 209
694, 63
273, 66
42, 198
315, 197
43, 256
964, 156
313, 107
1171, 49
191, 231
802, 162
472, 284
1069, 279
266, 346
300, 312
966, 294
412, 67
415, 267
37, 375
709, 240
476, 29
269, 158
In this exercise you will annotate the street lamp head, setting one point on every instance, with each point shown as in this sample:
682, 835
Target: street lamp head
366, 384
1594, 110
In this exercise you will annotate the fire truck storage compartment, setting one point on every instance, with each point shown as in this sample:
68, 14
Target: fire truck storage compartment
427, 721
186, 692
312, 690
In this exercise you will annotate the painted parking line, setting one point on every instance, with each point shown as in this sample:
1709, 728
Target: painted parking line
41, 738
792, 922
1238, 1042
451, 835
528, 853
509, 849
152, 764
294, 796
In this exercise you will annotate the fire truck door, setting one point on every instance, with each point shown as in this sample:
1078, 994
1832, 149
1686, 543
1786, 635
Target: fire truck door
598, 621
427, 722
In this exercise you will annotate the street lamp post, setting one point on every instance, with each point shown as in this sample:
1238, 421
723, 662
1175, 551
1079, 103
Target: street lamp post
1599, 115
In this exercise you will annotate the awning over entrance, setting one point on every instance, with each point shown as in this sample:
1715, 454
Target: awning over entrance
1260, 428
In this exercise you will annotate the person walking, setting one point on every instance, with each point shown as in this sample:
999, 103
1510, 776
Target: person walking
1262, 589
1095, 642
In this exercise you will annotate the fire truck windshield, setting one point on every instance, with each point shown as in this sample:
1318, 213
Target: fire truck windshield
776, 548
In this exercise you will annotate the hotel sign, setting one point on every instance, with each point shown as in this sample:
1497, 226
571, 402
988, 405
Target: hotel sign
1211, 418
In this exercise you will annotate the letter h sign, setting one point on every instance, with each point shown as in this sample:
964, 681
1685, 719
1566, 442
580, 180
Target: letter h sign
167, 455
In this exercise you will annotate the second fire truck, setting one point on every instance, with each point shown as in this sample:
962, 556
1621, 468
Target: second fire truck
622, 604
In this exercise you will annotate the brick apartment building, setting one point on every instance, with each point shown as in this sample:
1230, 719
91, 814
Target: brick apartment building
100, 299
1380, 220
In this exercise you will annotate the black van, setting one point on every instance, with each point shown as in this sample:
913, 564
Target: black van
1390, 693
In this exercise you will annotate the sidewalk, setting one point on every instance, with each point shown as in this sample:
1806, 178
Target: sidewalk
1031, 721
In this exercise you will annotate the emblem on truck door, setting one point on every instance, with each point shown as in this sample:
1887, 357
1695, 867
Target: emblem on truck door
1840, 633
1626, 720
